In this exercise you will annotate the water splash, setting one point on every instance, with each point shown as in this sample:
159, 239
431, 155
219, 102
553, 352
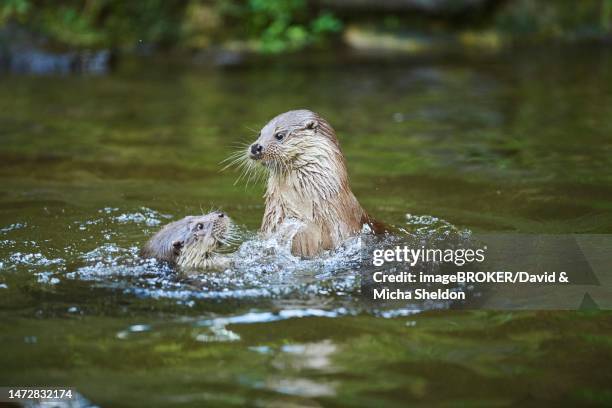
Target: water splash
263, 271
145, 216
33, 260
12, 227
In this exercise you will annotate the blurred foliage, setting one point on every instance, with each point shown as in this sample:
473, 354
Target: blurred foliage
566, 19
278, 21
11, 8
281, 25
270, 26
97, 23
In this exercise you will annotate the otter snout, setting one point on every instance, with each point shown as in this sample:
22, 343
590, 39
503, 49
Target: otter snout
256, 151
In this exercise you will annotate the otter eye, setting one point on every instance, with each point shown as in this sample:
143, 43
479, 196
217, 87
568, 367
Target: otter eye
200, 226
279, 135
221, 215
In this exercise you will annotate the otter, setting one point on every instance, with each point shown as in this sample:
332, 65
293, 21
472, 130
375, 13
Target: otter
192, 242
308, 182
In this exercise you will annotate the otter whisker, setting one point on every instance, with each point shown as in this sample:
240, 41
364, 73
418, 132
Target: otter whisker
250, 172
253, 174
246, 167
242, 163
261, 176
243, 168
244, 143
228, 242
239, 160
233, 159
251, 129
238, 151
230, 161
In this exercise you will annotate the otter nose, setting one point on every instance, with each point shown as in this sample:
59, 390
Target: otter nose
256, 150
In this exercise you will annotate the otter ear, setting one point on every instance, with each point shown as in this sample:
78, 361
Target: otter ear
312, 124
177, 244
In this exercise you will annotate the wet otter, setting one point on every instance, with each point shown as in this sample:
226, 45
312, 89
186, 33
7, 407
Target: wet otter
308, 182
192, 242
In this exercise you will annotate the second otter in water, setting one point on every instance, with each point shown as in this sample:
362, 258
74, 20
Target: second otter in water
192, 242
308, 181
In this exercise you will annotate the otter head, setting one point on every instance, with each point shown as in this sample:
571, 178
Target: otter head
296, 139
207, 233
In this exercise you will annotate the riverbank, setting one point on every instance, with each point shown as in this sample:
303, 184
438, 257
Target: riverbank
66, 38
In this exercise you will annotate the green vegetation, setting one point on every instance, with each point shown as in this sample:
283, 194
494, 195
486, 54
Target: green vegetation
276, 26
284, 25
271, 26
103, 23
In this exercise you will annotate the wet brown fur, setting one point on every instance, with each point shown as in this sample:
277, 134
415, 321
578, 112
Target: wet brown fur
308, 182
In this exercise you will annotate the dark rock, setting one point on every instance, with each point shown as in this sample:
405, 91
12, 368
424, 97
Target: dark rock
25, 53
36, 61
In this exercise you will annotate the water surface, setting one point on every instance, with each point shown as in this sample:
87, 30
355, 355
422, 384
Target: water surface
93, 165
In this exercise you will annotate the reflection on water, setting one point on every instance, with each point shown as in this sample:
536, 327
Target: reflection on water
92, 166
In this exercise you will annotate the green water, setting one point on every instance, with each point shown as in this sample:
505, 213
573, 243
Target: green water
92, 165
